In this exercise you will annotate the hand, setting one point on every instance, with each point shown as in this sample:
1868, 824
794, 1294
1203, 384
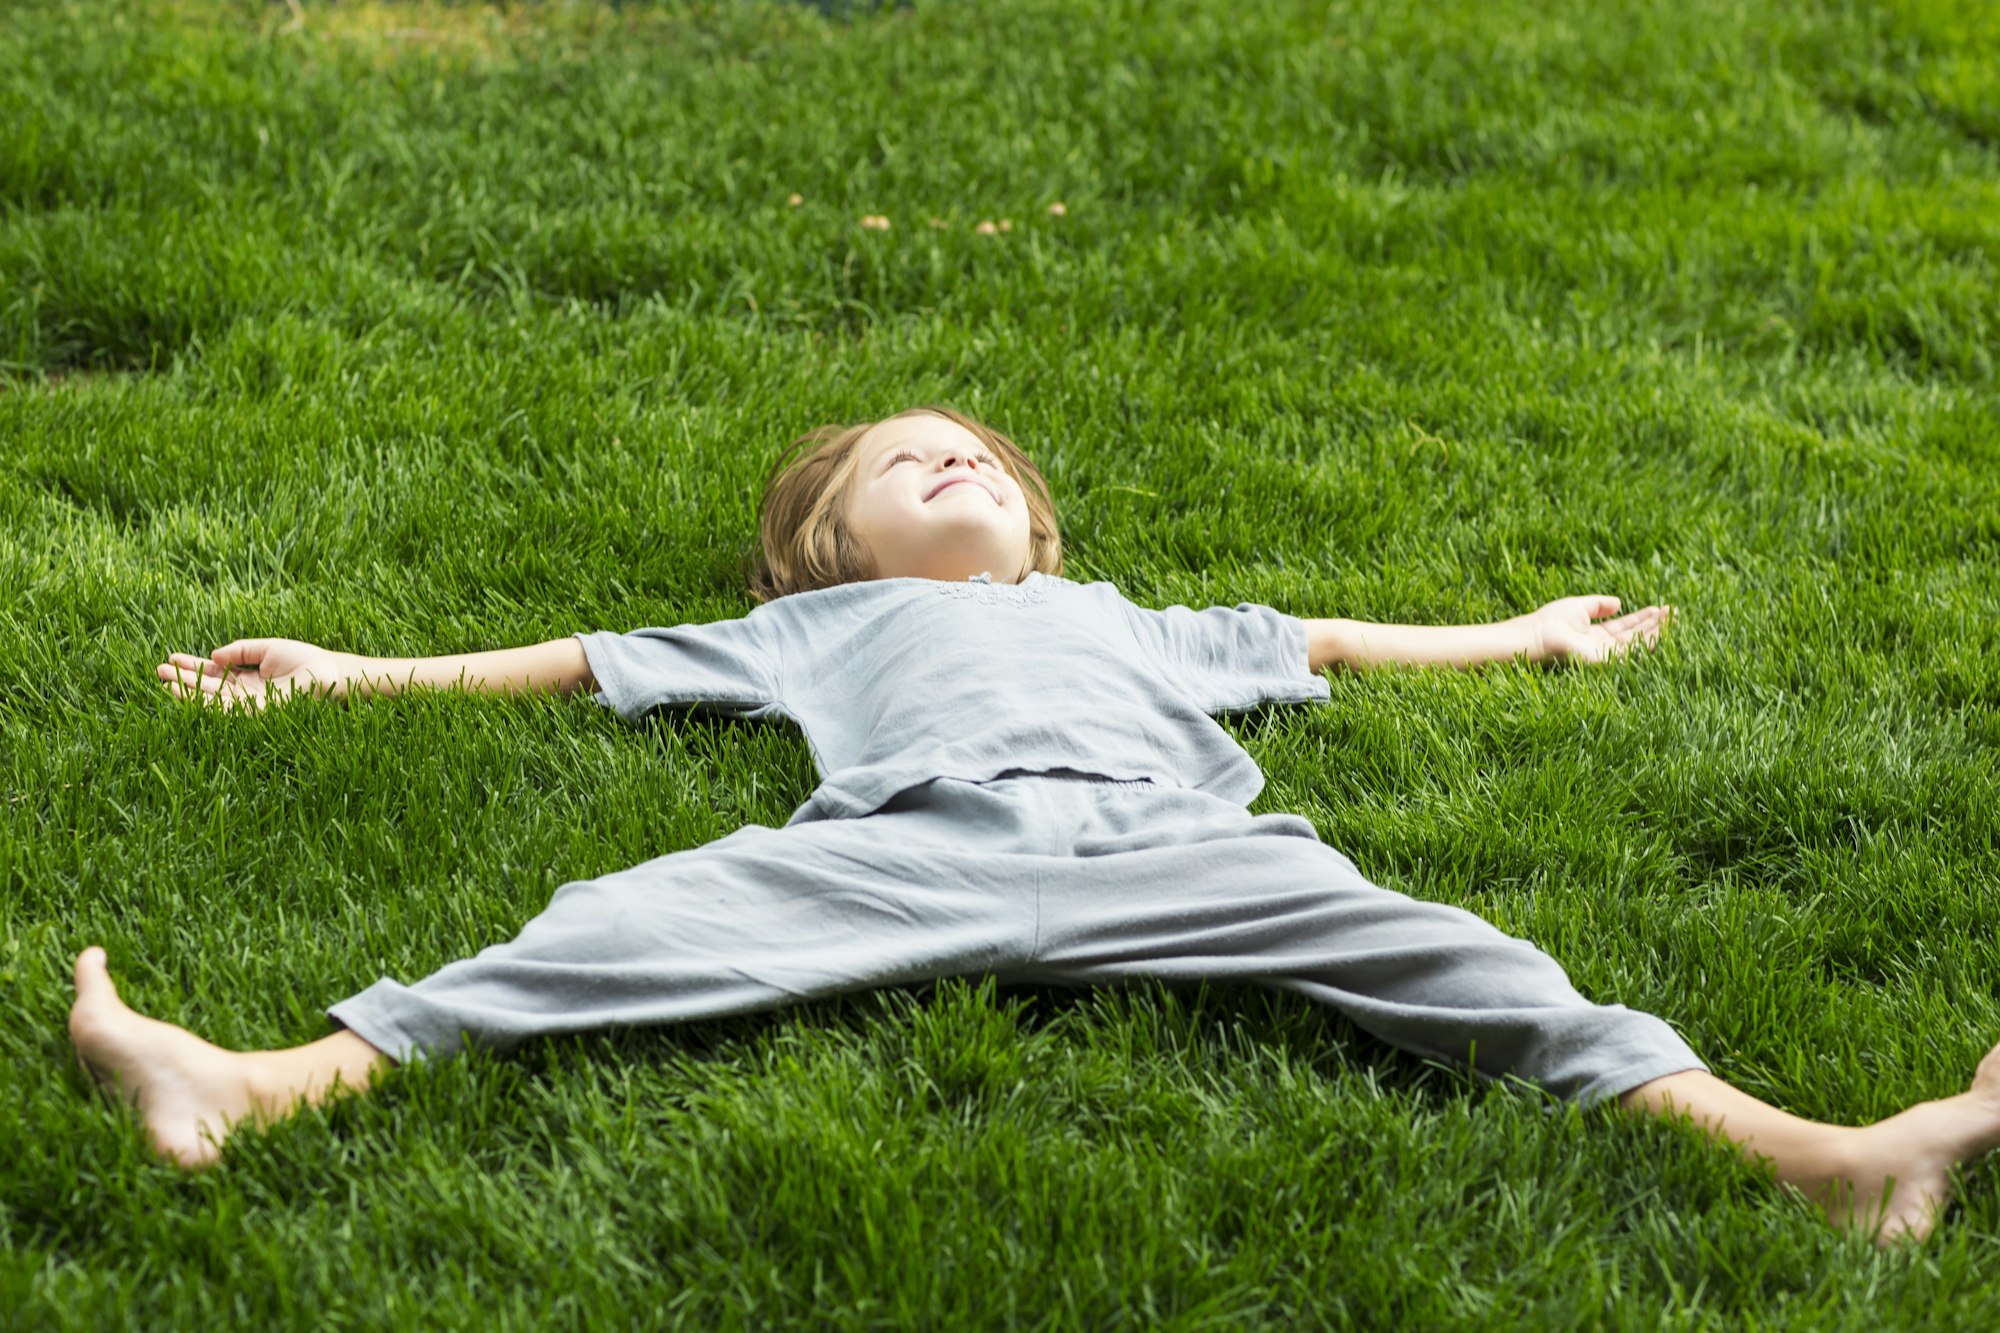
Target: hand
251, 673
1563, 629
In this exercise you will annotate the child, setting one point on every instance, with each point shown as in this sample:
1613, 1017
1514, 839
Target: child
1021, 779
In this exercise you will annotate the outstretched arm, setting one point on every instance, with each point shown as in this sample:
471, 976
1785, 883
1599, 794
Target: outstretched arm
1562, 629
250, 673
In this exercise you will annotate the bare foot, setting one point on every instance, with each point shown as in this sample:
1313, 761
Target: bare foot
189, 1093
1900, 1168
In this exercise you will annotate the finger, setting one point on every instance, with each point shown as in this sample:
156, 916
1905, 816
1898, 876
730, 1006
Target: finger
246, 694
188, 690
182, 671
192, 678
202, 665
243, 652
1644, 629
219, 691
1633, 622
1639, 617
1600, 606
251, 691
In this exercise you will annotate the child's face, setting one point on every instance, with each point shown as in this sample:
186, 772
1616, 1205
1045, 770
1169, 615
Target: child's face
930, 501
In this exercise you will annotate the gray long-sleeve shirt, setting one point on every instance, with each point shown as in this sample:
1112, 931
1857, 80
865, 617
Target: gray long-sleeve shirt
898, 681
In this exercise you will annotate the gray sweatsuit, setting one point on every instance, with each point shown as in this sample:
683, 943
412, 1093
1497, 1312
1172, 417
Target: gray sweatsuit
1021, 781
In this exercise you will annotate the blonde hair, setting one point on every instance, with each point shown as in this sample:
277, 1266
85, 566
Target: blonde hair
802, 524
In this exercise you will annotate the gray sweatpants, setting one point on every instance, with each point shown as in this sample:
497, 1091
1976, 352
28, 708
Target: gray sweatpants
1036, 879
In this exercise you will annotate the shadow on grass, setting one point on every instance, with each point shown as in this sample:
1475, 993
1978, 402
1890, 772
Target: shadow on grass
1208, 1026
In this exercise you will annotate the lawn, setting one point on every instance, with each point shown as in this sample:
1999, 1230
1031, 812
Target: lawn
418, 329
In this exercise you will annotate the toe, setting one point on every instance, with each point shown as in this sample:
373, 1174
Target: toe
1988, 1074
93, 1018
93, 977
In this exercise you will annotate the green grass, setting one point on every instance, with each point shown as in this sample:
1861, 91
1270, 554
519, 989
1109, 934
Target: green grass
440, 329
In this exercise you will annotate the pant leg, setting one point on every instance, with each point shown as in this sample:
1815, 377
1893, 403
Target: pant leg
760, 919
1182, 887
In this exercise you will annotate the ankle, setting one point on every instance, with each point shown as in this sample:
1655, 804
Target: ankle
1841, 1155
272, 1081
1966, 1124
1981, 1101
1834, 1172
279, 1079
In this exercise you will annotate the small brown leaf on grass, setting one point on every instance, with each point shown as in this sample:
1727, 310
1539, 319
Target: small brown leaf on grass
875, 222
986, 228
796, 200
1057, 209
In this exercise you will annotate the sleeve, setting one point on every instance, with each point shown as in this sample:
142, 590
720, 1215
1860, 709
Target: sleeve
1231, 659
725, 666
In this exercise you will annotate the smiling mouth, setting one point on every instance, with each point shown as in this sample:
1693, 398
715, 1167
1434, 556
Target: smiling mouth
956, 481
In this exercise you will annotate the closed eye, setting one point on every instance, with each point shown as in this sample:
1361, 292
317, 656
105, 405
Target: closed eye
987, 459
